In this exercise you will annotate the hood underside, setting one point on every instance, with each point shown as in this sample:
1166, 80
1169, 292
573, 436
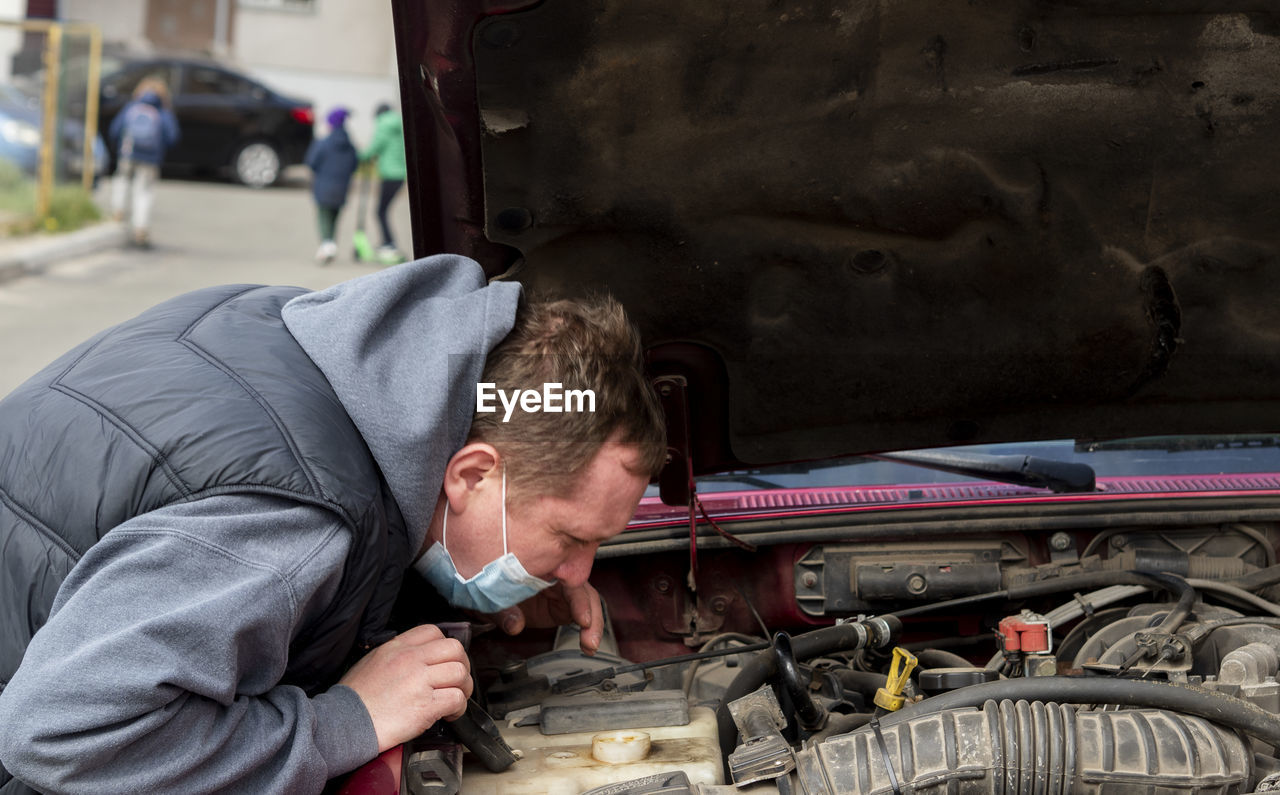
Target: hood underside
861, 226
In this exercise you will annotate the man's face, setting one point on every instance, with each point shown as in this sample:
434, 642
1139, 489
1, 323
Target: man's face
554, 537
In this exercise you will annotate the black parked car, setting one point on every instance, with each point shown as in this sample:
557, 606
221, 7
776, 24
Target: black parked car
230, 122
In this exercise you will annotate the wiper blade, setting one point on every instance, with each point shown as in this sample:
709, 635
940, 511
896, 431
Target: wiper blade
1022, 470
746, 480
1177, 444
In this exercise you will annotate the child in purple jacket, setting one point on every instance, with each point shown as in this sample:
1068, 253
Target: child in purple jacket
332, 160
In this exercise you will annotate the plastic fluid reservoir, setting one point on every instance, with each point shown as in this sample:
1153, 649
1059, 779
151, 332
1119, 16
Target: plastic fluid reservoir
569, 764
621, 747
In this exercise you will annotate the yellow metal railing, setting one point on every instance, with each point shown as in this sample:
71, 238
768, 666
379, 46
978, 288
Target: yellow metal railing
53, 67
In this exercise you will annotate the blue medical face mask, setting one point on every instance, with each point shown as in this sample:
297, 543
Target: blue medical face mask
502, 583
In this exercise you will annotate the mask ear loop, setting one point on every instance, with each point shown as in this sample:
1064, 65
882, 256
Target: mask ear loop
444, 531
504, 508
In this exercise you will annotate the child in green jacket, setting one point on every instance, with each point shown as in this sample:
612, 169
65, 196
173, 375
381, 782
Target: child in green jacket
387, 147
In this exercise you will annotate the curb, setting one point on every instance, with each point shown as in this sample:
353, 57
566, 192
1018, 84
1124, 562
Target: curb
36, 255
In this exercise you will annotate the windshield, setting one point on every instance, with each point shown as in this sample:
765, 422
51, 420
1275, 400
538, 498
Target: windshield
1152, 455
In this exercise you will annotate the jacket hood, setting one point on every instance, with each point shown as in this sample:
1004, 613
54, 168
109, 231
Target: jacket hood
390, 120
403, 349
151, 98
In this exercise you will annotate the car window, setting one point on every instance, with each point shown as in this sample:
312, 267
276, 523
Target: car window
123, 83
204, 80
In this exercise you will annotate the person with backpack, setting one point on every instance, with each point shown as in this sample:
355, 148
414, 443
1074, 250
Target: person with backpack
142, 132
387, 147
332, 160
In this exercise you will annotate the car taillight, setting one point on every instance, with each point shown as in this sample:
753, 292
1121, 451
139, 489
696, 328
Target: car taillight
304, 115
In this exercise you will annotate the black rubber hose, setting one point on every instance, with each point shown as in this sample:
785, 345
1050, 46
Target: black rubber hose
1208, 704
1196, 633
954, 642
1182, 608
810, 714
941, 658
863, 682
758, 669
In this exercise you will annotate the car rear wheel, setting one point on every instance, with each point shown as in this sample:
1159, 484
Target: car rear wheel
257, 164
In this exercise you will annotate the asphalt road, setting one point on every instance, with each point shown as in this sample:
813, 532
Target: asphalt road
205, 233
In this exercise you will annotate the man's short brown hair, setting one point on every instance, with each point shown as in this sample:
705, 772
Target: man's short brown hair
581, 344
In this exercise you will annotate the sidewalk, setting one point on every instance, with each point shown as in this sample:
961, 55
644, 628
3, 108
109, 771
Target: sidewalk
32, 255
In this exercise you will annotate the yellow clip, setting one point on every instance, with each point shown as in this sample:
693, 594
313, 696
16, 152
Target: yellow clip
890, 696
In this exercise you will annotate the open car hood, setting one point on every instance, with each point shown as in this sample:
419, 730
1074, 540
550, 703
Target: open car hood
863, 226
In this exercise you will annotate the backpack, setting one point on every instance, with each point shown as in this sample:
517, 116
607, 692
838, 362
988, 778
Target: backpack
142, 129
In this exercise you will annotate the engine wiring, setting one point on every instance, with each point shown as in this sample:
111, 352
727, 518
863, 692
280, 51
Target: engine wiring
1138, 646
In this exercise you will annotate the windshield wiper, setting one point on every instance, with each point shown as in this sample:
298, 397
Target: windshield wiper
1022, 470
746, 480
1178, 444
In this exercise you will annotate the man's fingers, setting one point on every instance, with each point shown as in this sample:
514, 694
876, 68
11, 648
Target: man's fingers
446, 674
584, 602
423, 633
584, 606
453, 703
511, 620
446, 664
442, 650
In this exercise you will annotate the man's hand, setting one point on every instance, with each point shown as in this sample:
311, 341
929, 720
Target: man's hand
410, 682
557, 605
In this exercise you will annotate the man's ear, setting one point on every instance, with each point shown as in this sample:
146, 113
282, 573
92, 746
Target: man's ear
474, 467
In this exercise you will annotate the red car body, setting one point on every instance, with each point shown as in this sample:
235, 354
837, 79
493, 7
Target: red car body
848, 229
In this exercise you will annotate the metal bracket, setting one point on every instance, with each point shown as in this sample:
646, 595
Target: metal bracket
694, 616
673, 481
763, 753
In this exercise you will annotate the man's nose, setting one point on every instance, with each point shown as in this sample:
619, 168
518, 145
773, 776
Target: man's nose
576, 569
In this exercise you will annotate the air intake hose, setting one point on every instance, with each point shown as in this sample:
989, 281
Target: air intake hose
1031, 748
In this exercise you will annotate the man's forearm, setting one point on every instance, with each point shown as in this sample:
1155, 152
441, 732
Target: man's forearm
159, 669
282, 741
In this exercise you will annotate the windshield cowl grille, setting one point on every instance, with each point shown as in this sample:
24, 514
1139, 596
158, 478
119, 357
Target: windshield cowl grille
745, 503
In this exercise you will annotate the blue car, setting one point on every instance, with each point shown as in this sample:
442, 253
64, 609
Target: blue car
21, 125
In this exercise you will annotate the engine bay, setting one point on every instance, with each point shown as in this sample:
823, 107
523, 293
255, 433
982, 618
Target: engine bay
1127, 659
851, 228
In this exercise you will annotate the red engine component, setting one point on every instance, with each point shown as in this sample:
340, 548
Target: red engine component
1026, 632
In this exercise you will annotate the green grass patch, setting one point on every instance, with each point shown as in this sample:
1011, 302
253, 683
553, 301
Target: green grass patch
70, 205
17, 198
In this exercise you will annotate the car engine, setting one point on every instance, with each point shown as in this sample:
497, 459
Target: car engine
1128, 659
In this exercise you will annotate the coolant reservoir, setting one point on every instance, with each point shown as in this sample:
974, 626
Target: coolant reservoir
621, 747
569, 764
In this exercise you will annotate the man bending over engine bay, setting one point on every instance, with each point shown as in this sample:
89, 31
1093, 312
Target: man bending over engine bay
206, 513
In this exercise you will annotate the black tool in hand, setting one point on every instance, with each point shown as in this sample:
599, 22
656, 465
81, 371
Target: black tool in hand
477, 731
